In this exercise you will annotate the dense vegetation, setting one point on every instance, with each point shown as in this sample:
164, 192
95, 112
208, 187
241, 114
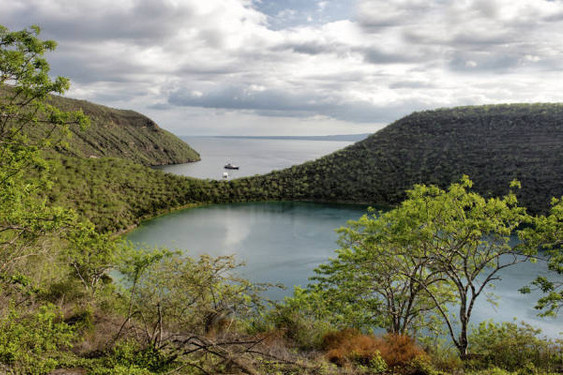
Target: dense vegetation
73, 297
492, 144
117, 194
111, 133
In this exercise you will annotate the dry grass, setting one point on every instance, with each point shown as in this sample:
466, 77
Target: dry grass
349, 346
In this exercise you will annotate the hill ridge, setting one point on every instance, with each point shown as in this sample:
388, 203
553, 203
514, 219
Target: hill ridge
493, 144
121, 133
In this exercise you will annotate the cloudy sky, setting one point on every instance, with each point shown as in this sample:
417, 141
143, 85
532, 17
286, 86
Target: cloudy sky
298, 67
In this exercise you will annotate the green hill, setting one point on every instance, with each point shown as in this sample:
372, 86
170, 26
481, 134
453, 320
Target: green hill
120, 133
492, 144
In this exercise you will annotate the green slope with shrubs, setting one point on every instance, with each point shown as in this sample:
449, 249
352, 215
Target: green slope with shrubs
118, 133
492, 144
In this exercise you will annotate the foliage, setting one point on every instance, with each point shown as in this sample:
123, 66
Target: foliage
32, 332
375, 277
436, 247
350, 345
548, 235
116, 194
25, 220
302, 319
437, 147
513, 347
30, 341
129, 357
91, 255
400, 350
392, 351
431, 147
119, 133
178, 304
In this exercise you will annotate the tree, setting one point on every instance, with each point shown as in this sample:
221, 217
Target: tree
90, 254
25, 86
547, 235
377, 274
28, 225
177, 295
187, 309
437, 240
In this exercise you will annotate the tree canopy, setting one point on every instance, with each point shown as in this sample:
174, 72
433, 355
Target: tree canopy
438, 248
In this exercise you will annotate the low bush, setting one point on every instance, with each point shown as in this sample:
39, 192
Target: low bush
350, 346
400, 350
300, 319
129, 357
29, 343
515, 347
398, 353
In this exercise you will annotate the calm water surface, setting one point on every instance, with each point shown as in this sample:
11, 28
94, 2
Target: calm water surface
280, 242
253, 156
283, 242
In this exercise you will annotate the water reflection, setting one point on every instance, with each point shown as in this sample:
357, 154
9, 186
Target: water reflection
283, 242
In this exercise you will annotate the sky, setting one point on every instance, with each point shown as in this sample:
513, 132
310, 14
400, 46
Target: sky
298, 67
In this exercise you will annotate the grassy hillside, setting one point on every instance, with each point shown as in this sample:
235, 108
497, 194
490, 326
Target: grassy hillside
119, 133
491, 144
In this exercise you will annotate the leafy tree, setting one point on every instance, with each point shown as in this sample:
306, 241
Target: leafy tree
181, 308
24, 88
435, 241
547, 234
179, 295
91, 255
377, 274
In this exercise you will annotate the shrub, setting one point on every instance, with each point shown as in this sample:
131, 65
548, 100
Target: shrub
396, 352
300, 318
443, 356
350, 346
131, 355
28, 342
514, 347
400, 350
121, 370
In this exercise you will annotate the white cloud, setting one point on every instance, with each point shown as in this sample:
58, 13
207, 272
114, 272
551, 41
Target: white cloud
220, 60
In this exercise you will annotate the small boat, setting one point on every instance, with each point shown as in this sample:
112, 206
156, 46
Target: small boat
225, 175
230, 166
